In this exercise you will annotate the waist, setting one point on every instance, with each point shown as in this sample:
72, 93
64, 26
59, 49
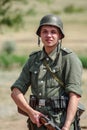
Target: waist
54, 102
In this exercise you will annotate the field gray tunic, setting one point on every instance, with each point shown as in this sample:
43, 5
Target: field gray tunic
64, 64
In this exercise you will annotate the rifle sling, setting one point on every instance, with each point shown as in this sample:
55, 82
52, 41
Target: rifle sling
53, 75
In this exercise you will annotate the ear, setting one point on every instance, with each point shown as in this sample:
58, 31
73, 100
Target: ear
60, 36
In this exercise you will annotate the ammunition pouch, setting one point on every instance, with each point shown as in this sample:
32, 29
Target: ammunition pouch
56, 104
59, 104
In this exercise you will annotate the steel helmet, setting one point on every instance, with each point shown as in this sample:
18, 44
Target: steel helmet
51, 20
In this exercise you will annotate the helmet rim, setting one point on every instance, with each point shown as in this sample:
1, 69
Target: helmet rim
51, 20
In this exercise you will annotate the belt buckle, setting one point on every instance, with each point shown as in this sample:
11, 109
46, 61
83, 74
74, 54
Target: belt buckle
41, 102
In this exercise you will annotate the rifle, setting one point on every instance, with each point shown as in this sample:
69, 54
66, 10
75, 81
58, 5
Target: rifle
43, 120
48, 124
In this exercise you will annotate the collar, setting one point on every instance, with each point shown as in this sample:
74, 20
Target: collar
52, 55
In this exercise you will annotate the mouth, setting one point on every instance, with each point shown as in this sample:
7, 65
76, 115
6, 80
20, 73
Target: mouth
49, 40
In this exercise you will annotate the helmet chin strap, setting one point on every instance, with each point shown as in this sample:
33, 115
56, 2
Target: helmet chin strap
38, 41
60, 42
59, 45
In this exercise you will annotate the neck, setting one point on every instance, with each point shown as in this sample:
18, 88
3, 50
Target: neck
50, 49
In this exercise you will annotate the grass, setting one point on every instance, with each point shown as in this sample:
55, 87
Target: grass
84, 61
9, 61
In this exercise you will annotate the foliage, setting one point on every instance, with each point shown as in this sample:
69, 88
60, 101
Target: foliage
56, 12
17, 13
11, 15
14, 21
8, 61
31, 12
84, 61
72, 9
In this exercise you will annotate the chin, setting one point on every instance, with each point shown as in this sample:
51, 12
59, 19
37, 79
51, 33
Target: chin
51, 45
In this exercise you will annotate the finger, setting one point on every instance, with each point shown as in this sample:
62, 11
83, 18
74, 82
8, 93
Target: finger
37, 122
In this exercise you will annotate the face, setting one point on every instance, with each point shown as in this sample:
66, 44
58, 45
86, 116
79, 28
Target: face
49, 35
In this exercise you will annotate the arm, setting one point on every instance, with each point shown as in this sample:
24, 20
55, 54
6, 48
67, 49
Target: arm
71, 110
19, 99
73, 79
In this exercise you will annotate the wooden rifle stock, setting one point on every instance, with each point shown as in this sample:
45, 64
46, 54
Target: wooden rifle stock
43, 120
47, 123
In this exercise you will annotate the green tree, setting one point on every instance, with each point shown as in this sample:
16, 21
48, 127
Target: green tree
10, 13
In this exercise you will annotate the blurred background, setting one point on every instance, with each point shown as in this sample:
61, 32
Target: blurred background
19, 21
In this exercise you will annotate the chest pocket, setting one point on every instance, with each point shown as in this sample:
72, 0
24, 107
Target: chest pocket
53, 73
53, 87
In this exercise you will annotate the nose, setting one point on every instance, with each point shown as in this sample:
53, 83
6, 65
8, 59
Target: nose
49, 34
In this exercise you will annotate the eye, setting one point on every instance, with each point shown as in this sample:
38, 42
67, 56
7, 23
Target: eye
44, 31
54, 32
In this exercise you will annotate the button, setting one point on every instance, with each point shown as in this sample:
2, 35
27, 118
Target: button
40, 94
44, 70
41, 81
54, 70
47, 59
35, 72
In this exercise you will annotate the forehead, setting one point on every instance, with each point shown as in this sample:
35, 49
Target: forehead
49, 27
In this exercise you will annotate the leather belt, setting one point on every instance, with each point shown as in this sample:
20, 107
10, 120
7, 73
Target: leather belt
44, 102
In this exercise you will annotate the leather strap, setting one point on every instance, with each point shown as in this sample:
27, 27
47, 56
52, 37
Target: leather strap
54, 76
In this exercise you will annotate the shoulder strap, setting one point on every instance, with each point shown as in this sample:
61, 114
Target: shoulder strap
54, 76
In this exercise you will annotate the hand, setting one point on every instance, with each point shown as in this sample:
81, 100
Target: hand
34, 116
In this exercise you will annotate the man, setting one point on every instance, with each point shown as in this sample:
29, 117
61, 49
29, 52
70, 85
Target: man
54, 74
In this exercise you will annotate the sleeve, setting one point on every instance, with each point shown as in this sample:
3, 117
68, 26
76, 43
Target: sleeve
23, 81
73, 74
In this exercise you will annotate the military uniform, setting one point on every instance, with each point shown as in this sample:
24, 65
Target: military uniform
65, 65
